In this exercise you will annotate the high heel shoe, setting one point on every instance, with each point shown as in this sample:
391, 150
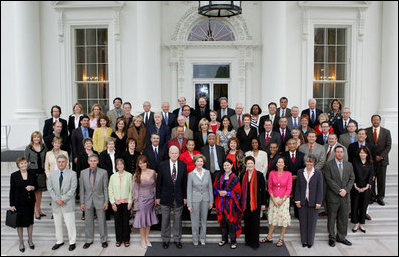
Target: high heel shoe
22, 249
31, 246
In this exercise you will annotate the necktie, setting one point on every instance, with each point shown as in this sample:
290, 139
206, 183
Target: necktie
310, 148
212, 160
61, 178
187, 123
156, 154
283, 136
325, 139
345, 125
86, 135
329, 152
180, 142
267, 138
166, 118
293, 158
174, 173
295, 123
283, 113
239, 120
202, 112
341, 170
312, 116
375, 135
146, 118
92, 178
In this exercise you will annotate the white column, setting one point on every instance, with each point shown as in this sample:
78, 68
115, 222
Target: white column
273, 51
27, 60
389, 68
149, 54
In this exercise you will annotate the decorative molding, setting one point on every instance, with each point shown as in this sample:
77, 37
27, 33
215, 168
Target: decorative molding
61, 26
338, 4
116, 22
361, 23
94, 4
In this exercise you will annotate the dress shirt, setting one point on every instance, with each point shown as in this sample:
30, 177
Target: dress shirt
155, 147
283, 111
352, 138
314, 115
295, 122
216, 157
77, 120
293, 153
271, 117
197, 173
119, 113
85, 132
325, 138
339, 162
147, 115
55, 119
94, 174
361, 144
112, 155
165, 116
171, 167
378, 131
345, 121
307, 178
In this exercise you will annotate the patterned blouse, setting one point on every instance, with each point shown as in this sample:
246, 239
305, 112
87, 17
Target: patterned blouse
334, 117
225, 138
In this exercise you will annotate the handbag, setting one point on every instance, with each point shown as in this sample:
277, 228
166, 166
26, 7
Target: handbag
11, 219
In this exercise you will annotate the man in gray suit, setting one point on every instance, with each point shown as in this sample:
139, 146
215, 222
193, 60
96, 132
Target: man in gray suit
329, 148
294, 121
94, 194
350, 137
339, 178
314, 148
115, 113
236, 119
61, 185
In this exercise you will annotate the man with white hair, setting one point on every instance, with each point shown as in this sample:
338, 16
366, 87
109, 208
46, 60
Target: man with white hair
294, 121
236, 120
171, 193
148, 115
313, 113
169, 119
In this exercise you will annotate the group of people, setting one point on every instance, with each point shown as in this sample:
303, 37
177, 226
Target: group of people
194, 160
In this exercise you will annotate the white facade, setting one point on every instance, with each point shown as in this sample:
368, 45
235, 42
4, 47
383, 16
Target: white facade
151, 59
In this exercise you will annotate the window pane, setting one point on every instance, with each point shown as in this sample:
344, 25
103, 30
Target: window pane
91, 103
82, 90
219, 90
93, 91
331, 54
341, 36
80, 55
332, 36
91, 55
102, 72
317, 90
102, 54
319, 36
331, 72
211, 30
104, 104
202, 90
340, 90
318, 72
341, 53
103, 91
92, 72
341, 72
319, 53
80, 37
80, 72
211, 71
90, 37
102, 37
329, 90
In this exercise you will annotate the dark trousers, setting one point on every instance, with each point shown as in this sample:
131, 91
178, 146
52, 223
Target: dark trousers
252, 224
359, 203
122, 228
228, 228
307, 223
381, 174
338, 213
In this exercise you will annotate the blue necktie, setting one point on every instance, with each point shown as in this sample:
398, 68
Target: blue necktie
166, 119
85, 133
156, 154
295, 123
325, 139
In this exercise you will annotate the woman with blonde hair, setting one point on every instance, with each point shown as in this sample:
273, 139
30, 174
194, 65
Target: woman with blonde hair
139, 132
214, 124
50, 163
201, 136
101, 133
322, 118
95, 113
35, 153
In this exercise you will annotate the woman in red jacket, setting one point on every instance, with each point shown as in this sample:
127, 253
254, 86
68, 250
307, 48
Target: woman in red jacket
187, 156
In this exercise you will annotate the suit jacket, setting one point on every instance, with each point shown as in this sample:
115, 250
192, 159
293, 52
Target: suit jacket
287, 112
219, 152
188, 133
113, 116
199, 190
171, 120
48, 127
354, 147
299, 162
287, 136
274, 137
166, 190
332, 157
162, 155
192, 123
363, 173
339, 126
164, 134
83, 162
267, 117
315, 188
105, 162
345, 140
383, 144
176, 112
199, 116
318, 151
150, 119
230, 112
77, 144
234, 121
71, 124
316, 122
66, 193
290, 123
140, 137
96, 196
19, 196
320, 139
334, 182
175, 142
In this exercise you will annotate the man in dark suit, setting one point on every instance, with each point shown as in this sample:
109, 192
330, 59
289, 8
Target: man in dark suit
224, 109
148, 115
381, 138
180, 141
294, 120
284, 132
155, 152
283, 111
313, 113
57, 132
340, 126
361, 141
236, 119
55, 116
171, 192
339, 178
179, 111
162, 130
78, 135
168, 117
322, 139
273, 116
127, 108
268, 136
295, 161
191, 121
214, 163
202, 111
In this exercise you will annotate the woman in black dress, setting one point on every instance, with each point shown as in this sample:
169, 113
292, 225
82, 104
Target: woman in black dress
22, 200
120, 134
246, 133
360, 193
130, 155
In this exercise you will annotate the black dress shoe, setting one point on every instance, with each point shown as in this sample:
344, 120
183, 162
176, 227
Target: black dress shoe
56, 246
87, 245
331, 242
42, 215
104, 244
309, 246
381, 202
22, 250
304, 245
72, 247
32, 246
345, 242
38, 217
165, 245
179, 245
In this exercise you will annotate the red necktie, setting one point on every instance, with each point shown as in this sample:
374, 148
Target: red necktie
267, 138
375, 135
283, 136
329, 152
293, 158
239, 121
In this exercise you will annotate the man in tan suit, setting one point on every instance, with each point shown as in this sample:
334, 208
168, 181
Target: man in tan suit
350, 137
115, 113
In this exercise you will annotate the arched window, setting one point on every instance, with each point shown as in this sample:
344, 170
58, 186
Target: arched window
211, 30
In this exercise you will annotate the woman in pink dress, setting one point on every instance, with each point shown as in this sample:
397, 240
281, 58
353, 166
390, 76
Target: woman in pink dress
280, 185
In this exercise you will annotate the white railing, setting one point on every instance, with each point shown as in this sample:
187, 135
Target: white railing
5, 133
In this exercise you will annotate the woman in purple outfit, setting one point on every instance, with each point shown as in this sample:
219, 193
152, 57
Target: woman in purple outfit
144, 183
